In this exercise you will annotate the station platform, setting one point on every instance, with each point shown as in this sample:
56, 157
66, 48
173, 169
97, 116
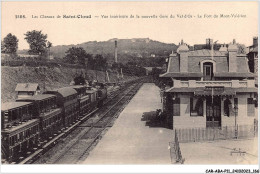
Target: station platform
136, 137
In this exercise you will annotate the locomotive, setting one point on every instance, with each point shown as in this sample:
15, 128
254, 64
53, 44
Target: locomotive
28, 123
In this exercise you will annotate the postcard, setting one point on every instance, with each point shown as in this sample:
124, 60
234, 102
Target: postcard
129, 86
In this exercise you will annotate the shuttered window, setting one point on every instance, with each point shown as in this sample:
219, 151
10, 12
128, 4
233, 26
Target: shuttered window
176, 107
236, 105
196, 107
250, 107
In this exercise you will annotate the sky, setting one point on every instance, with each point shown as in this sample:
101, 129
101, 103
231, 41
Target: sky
66, 31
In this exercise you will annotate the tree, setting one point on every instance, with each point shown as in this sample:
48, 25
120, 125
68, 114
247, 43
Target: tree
79, 80
100, 62
49, 45
76, 55
241, 49
37, 42
2, 47
10, 44
91, 62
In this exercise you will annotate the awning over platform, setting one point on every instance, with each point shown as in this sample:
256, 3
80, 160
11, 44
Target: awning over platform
178, 74
215, 92
212, 91
216, 74
234, 74
246, 90
182, 89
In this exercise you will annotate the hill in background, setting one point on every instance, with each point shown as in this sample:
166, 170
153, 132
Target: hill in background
52, 76
128, 49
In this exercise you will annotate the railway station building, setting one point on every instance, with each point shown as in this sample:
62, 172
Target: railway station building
209, 88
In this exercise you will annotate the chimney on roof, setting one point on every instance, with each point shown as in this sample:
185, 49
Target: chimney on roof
232, 56
115, 51
223, 48
209, 41
255, 41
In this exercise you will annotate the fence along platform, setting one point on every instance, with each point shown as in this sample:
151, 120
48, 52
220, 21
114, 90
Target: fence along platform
211, 134
175, 151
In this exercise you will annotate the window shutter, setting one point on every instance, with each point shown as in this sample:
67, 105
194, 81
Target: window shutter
199, 106
191, 105
236, 104
176, 107
250, 107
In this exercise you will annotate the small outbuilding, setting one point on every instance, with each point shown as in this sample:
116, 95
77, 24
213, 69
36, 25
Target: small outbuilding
25, 90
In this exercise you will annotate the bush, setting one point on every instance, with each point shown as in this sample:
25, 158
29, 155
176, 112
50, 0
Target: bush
35, 63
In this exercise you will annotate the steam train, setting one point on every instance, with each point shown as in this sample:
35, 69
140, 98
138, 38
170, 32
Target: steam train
30, 122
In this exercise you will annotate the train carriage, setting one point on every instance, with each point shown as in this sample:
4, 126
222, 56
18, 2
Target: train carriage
67, 99
83, 99
101, 95
20, 130
48, 112
92, 94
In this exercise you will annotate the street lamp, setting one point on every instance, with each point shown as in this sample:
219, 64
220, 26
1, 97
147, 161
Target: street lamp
236, 111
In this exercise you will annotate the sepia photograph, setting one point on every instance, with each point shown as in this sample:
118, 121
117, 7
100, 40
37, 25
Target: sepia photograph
101, 83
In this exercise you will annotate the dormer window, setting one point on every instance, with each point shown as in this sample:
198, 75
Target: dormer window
208, 67
207, 71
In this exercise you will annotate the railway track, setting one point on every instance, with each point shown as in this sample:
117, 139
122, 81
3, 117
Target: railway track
76, 146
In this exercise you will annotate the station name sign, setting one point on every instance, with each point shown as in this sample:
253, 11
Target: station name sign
214, 88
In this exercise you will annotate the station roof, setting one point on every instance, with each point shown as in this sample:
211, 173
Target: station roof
195, 59
13, 105
246, 90
27, 87
216, 74
206, 52
182, 89
202, 91
234, 74
37, 97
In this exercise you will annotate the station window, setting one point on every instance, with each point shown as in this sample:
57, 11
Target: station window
176, 107
196, 107
227, 107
